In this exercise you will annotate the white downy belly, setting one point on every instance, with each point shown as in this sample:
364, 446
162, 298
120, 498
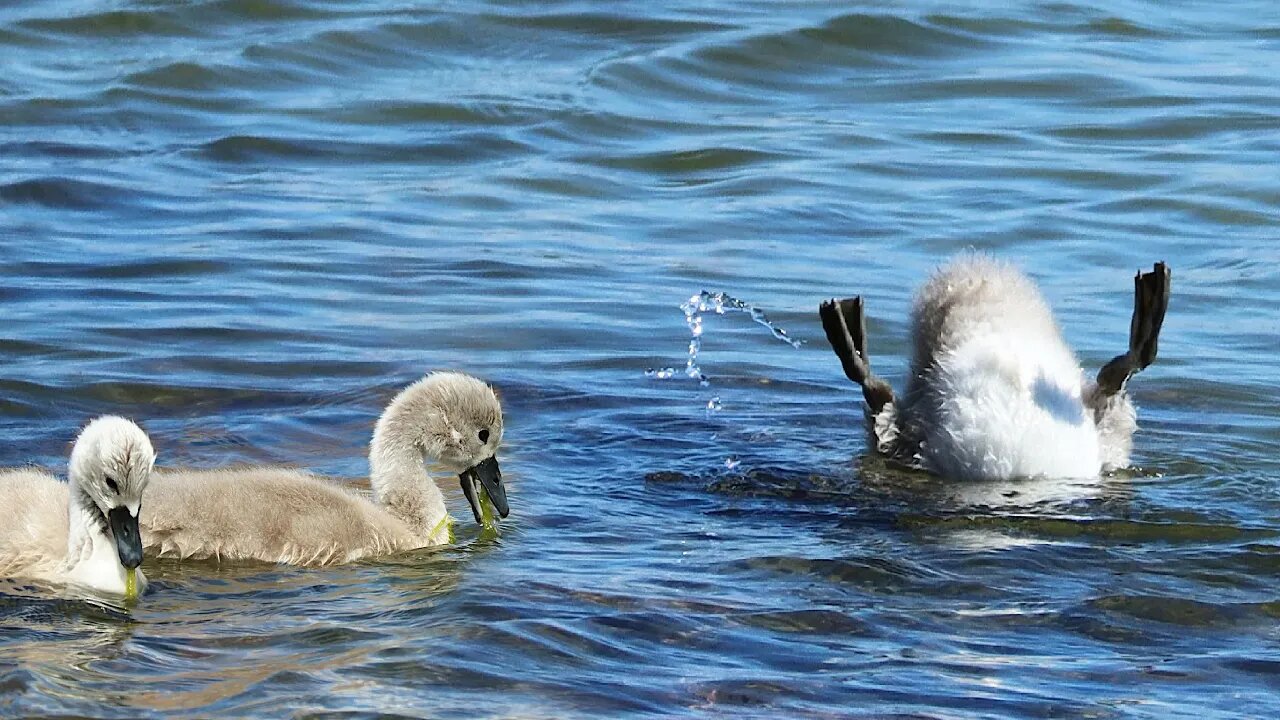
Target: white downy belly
1006, 414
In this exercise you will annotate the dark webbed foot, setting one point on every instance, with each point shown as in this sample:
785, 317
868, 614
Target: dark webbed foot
846, 327
1150, 300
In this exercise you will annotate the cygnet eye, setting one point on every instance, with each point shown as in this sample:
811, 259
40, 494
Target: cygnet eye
484, 435
111, 483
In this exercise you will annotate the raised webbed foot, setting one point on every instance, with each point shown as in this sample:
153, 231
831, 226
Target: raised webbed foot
846, 327
1150, 300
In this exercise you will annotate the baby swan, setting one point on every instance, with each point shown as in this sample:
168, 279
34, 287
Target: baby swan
994, 392
83, 532
291, 517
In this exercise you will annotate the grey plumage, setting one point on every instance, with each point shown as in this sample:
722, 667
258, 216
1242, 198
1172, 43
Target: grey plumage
293, 517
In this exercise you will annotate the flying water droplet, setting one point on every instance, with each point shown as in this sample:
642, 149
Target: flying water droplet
695, 309
719, 303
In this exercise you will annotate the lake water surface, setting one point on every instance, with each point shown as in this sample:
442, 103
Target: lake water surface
247, 223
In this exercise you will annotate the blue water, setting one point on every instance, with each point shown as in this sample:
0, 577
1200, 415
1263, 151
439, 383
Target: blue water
247, 223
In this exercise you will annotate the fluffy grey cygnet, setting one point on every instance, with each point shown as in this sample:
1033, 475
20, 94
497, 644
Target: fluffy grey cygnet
83, 532
288, 516
994, 392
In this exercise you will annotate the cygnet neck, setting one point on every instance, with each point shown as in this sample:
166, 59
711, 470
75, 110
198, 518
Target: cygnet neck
86, 528
399, 480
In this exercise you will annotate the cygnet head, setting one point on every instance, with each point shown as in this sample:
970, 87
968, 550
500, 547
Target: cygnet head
455, 419
111, 465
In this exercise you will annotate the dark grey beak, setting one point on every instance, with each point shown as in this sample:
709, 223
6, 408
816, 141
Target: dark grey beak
124, 527
487, 474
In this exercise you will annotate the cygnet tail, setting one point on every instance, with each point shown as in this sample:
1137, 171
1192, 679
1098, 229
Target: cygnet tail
845, 324
1150, 301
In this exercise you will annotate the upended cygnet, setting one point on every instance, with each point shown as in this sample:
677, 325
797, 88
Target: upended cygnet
288, 516
83, 532
994, 392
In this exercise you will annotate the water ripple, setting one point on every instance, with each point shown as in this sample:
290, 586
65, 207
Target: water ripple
247, 223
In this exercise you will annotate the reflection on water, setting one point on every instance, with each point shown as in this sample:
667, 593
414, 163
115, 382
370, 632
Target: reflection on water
248, 223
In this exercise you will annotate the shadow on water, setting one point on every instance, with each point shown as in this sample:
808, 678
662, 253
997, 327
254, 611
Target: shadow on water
990, 514
878, 483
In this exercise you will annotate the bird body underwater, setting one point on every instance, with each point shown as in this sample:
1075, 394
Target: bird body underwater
994, 392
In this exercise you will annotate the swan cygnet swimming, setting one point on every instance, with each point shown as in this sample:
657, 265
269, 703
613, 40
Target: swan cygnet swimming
994, 392
292, 517
83, 532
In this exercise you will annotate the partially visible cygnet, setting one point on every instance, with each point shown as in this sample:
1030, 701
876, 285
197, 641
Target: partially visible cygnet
83, 532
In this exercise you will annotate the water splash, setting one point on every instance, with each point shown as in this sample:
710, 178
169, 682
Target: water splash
695, 308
